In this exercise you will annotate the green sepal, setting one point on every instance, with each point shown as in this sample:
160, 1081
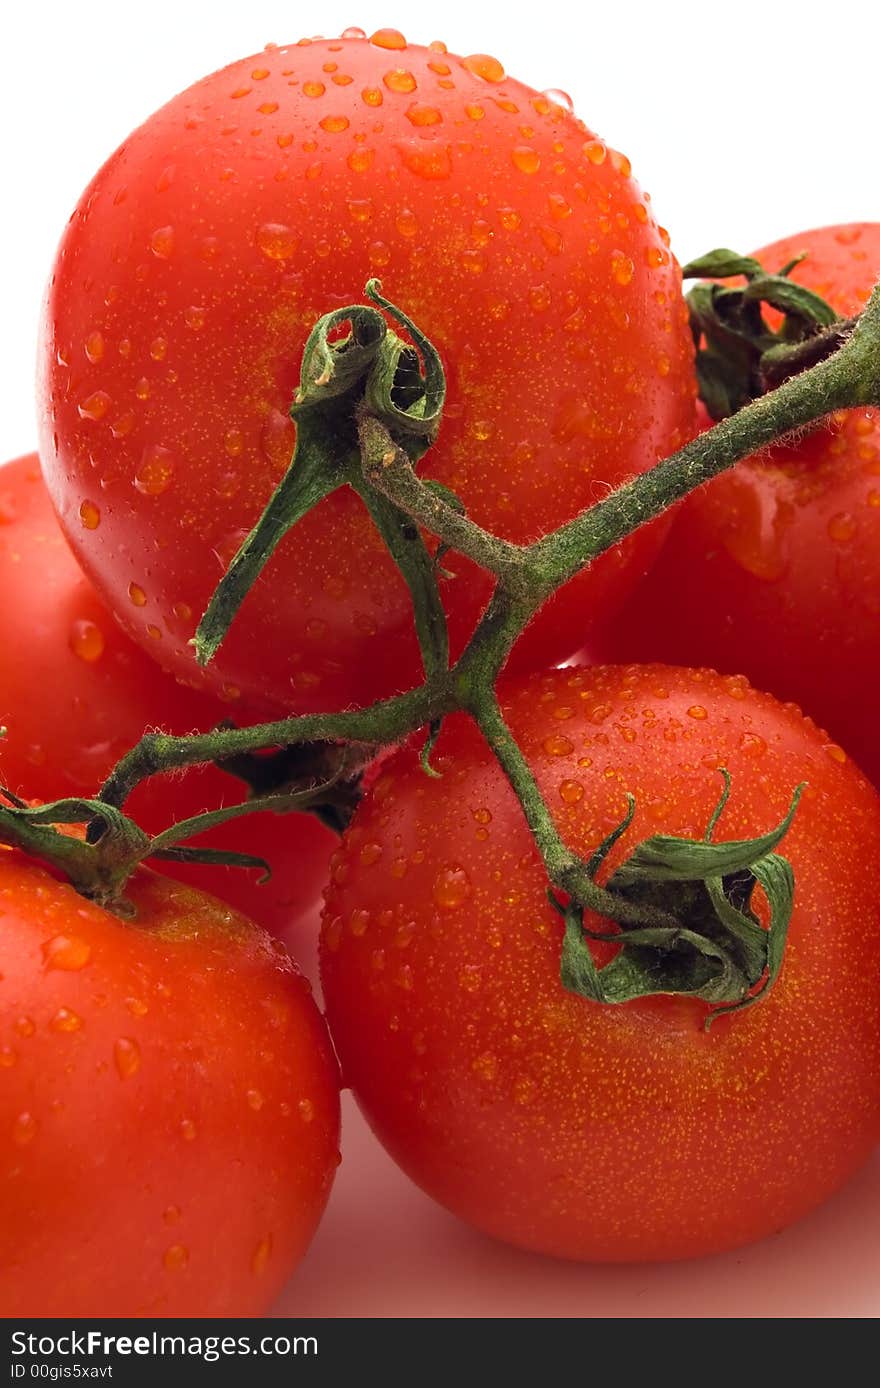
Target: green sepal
332, 366
721, 264
216, 857
718, 951
739, 356
407, 389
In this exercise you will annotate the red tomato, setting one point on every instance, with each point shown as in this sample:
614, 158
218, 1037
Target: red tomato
75, 694
773, 569
589, 1131
209, 244
169, 1112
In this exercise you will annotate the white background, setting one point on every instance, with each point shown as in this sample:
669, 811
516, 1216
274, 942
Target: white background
745, 122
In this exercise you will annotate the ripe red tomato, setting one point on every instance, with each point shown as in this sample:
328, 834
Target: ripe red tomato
75, 694
773, 569
606, 1132
209, 244
169, 1112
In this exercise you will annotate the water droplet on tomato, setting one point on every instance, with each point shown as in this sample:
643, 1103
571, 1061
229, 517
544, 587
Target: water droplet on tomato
67, 952
90, 515
557, 746
559, 98
571, 792
334, 125
254, 1099
176, 1257
697, 711
126, 1057
94, 347
835, 753
388, 38
306, 1110
469, 978
171, 1214
595, 151
419, 115
482, 65
313, 89
353, 32
156, 471
452, 887
622, 268
65, 1020
24, 1129
525, 1090
400, 80
359, 921
8, 1057
162, 243
94, 406
137, 595
526, 159
86, 640
431, 162
188, 1130
276, 241
372, 96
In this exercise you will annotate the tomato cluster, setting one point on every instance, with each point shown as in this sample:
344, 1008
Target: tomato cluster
166, 1038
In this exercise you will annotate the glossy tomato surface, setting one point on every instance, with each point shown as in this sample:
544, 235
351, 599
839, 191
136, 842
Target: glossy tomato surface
773, 569
261, 198
169, 1109
76, 694
613, 1133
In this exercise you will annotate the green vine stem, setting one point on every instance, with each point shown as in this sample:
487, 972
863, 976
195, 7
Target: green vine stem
368, 408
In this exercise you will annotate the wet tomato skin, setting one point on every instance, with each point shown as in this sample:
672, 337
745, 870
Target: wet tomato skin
76, 694
773, 569
208, 245
606, 1133
168, 1109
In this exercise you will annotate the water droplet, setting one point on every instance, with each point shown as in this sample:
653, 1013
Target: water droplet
334, 125
559, 98
370, 853
137, 1007
313, 89
452, 887
751, 745
86, 640
842, 527
306, 1110
94, 347
188, 1130
90, 515
595, 151
24, 1129
162, 242
526, 159
95, 406
67, 952
485, 1065
406, 223
372, 96
137, 595
482, 65
571, 792
263, 1250
8, 1057
360, 160
176, 1257
171, 1215
360, 209
156, 471
359, 921
697, 711
474, 112
835, 753
276, 241
399, 80
432, 162
622, 267
126, 1057
423, 115
255, 1100
388, 38
557, 746
25, 1026
65, 1020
